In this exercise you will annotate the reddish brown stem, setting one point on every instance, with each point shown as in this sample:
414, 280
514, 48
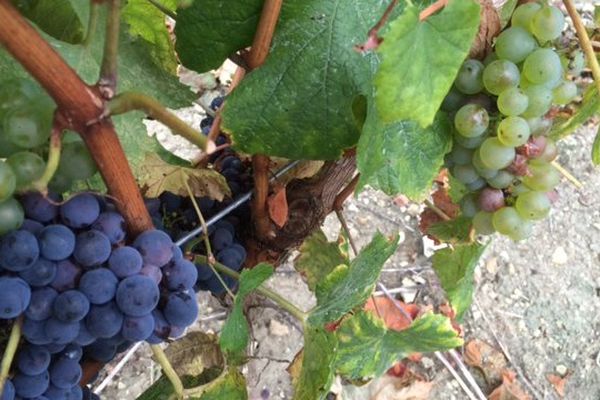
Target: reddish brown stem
260, 166
432, 9
345, 193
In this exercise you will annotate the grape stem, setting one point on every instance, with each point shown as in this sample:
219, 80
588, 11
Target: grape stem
55, 148
564, 172
92, 24
107, 83
437, 210
10, 351
168, 370
129, 101
161, 7
584, 41
268, 293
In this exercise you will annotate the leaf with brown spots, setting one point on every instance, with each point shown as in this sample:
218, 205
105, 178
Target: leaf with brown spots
278, 207
393, 318
510, 389
487, 359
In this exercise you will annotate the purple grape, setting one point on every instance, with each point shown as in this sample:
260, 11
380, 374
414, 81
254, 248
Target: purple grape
32, 226
204, 272
112, 224
101, 351
125, 261
57, 242
177, 253
31, 386
18, 250
35, 332
490, 199
67, 276
221, 239
217, 102
71, 306
104, 321
171, 202
99, 285
155, 247
41, 273
80, 211
137, 295
65, 373
181, 308
9, 391
72, 352
153, 272
61, 332
92, 248
38, 208
76, 393
181, 274
84, 337
137, 329
161, 328
15, 296
33, 360
40, 306
55, 348
231, 258
54, 393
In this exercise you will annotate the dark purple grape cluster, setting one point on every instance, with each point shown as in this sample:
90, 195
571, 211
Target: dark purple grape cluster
85, 290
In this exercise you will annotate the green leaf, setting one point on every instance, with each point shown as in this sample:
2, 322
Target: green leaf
353, 287
366, 348
148, 22
596, 149
457, 190
317, 371
235, 332
209, 31
506, 12
318, 258
421, 59
454, 231
590, 106
229, 386
300, 103
455, 268
65, 20
402, 157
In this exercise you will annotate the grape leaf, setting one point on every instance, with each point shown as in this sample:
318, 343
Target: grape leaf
366, 348
235, 332
596, 149
299, 104
148, 22
318, 258
65, 20
402, 157
317, 371
194, 353
229, 386
506, 12
209, 31
351, 287
455, 268
421, 59
157, 176
457, 189
590, 106
454, 231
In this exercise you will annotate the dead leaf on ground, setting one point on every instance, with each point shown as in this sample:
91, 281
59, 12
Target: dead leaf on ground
194, 353
389, 313
510, 389
392, 388
558, 383
278, 207
487, 359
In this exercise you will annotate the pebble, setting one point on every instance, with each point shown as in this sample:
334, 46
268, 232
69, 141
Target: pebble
491, 265
561, 370
427, 362
560, 257
276, 328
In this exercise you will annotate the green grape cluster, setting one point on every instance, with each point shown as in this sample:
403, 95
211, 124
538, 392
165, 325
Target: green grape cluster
501, 150
26, 115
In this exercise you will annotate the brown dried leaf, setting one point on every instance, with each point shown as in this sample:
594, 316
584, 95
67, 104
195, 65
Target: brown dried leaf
158, 176
278, 207
392, 388
489, 28
558, 383
194, 353
510, 389
487, 359
393, 318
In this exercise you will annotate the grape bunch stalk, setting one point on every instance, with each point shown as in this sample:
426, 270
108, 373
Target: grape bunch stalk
502, 152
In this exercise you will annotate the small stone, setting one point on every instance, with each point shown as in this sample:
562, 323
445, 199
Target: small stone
414, 210
561, 370
560, 256
491, 265
276, 328
427, 362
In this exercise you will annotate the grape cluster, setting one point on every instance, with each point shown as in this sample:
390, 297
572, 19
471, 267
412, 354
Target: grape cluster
84, 292
26, 114
501, 150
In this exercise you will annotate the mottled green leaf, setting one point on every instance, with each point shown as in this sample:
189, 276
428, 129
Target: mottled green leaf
402, 157
352, 288
317, 371
209, 31
366, 348
455, 268
457, 189
596, 149
421, 59
229, 386
318, 258
506, 12
235, 332
148, 22
590, 106
194, 353
453, 231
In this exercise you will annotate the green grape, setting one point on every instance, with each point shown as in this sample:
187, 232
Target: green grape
8, 181
11, 215
60, 183
507, 220
465, 173
547, 23
490, 58
550, 152
469, 143
514, 44
513, 131
471, 120
76, 162
539, 126
512, 102
17, 93
523, 231
495, 155
482, 223
519, 188
461, 155
6, 147
469, 78
576, 63
27, 167
501, 180
540, 101
476, 185
544, 177
564, 93
523, 15
500, 75
533, 205
453, 100
29, 126
468, 205
480, 167
542, 66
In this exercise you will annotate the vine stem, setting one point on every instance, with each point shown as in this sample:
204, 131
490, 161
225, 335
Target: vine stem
161, 7
584, 40
10, 350
92, 23
268, 293
168, 370
129, 101
55, 148
108, 70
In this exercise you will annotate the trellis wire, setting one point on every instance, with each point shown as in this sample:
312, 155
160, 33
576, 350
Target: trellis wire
227, 210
